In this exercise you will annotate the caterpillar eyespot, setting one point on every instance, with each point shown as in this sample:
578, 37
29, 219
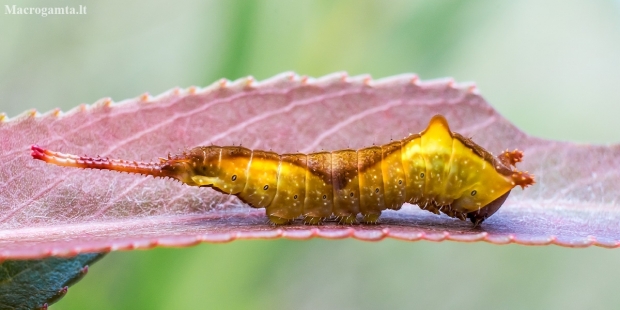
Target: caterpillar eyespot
319, 182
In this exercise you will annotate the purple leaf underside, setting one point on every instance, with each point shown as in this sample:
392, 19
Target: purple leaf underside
49, 210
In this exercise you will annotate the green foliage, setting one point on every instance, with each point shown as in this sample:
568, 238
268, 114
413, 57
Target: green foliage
28, 284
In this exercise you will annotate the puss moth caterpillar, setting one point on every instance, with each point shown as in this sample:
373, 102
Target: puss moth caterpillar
437, 169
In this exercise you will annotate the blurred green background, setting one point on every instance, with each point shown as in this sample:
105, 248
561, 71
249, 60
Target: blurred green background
552, 68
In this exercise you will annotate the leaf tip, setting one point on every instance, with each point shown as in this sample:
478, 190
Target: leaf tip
223, 83
473, 89
367, 80
249, 81
44, 306
60, 294
103, 102
450, 82
63, 291
28, 114
145, 97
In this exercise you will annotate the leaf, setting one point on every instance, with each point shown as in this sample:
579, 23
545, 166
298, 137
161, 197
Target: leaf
49, 210
33, 284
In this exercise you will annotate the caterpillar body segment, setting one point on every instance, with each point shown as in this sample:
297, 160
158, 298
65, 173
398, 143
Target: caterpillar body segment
437, 169
372, 200
393, 176
262, 177
345, 183
290, 197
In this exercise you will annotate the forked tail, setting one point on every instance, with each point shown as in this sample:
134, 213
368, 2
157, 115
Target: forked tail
68, 160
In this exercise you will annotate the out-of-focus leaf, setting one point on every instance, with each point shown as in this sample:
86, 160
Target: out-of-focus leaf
30, 284
49, 210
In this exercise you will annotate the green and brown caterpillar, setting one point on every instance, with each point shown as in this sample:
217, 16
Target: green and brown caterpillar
437, 169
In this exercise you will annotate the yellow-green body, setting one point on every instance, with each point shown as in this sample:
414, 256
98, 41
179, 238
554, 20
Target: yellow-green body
434, 169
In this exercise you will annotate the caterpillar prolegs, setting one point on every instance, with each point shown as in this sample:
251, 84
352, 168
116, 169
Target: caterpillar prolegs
437, 169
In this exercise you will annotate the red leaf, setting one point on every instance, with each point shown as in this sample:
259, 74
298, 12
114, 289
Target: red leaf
49, 210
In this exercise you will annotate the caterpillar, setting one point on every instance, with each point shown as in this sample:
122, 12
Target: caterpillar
437, 169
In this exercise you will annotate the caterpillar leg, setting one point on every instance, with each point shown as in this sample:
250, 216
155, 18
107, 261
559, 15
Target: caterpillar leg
347, 219
313, 220
276, 220
372, 218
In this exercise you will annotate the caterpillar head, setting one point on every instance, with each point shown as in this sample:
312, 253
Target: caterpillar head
480, 202
477, 217
477, 183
